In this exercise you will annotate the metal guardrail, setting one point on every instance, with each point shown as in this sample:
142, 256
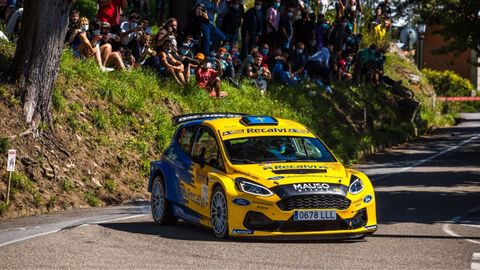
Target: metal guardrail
458, 98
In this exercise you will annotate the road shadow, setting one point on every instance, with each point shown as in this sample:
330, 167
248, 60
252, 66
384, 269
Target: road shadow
191, 232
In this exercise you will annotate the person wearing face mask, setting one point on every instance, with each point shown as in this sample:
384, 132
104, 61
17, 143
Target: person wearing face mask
298, 59
81, 45
286, 28
129, 28
273, 20
322, 31
304, 31
265, 53
232, 21
252, 27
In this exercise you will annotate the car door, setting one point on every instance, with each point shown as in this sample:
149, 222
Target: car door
207, 158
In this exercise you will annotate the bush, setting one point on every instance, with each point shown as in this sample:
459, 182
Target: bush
448, 83
4, 144
3, 208
92, 200
110, 186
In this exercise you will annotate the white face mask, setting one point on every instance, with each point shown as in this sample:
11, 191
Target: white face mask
84, 28
353, 8
258, 7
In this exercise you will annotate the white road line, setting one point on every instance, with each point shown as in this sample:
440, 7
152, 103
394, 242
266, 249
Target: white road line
475, 261
28, 237
446, 227
76, 226
420, 162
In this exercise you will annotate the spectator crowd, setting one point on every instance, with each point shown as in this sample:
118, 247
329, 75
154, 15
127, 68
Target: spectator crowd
285, 41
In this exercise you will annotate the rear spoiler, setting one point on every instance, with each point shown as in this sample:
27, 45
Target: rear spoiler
179, 119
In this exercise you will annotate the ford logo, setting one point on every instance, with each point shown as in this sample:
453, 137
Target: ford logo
367, 199
241, 201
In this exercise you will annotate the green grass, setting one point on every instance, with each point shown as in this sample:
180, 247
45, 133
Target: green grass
92, 200
67, 185
140, 104
3, 208
4, 144
110, 186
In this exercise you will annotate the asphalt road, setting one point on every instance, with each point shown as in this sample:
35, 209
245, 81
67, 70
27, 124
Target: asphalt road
428, 195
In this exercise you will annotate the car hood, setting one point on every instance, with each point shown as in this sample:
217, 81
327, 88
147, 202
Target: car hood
274, 174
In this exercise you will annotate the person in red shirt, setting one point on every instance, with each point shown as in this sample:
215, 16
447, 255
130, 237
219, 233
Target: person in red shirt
110, 11
209, 78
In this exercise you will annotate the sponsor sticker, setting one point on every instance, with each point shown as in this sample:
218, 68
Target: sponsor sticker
237, 231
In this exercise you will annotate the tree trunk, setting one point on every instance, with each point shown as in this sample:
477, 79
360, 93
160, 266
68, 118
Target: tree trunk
37, 57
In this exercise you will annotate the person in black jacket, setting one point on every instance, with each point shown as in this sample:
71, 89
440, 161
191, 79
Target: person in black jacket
232, 21
252, 27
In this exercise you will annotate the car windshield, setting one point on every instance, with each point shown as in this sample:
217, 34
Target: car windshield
276, 149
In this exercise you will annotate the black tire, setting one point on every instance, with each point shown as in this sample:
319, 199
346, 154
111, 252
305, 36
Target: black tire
219, 213
160, 206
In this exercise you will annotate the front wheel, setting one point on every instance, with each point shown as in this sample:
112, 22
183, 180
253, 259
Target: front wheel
219, 213
161, 208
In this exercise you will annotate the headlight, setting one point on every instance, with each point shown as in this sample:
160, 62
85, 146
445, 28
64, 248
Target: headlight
251, 188
356, 185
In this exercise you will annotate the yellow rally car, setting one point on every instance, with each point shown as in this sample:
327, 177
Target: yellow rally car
245, 175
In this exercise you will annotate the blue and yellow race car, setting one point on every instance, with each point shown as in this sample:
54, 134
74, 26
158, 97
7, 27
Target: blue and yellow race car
246, 175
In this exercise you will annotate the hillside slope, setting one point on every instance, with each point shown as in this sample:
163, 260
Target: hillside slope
109, 126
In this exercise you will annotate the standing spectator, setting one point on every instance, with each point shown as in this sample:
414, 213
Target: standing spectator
322, 30
318, 66
142, 5
209, 79
286, 28
160, 11
232, 21
304, 30
323, 6
209, 31
386, 10
197, 18
252, 27
273, 20
110, 11
259, 74
72, 23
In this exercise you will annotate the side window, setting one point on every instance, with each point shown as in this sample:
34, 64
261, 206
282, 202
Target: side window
185, 138
206, 145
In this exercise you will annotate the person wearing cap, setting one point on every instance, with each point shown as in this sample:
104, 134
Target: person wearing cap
209, 78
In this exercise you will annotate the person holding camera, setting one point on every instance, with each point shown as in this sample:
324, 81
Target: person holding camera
209, 78
210, 32
259, 74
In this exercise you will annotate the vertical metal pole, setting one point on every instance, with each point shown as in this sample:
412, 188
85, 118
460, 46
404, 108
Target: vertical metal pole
420, 60
8, 187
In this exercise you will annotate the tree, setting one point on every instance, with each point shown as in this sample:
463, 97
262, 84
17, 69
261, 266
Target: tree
459, 21
36, 61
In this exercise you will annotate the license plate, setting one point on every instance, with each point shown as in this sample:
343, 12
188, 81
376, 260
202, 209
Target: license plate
315, 215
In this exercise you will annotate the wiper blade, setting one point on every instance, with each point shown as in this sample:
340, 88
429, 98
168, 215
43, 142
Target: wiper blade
244, 160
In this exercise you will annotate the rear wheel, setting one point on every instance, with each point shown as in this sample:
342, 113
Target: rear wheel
219, 213
161, 208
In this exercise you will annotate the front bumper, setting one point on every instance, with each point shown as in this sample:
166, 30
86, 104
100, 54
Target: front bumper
263, 217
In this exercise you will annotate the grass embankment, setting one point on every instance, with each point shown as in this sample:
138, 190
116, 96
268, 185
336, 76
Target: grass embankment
109, 126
